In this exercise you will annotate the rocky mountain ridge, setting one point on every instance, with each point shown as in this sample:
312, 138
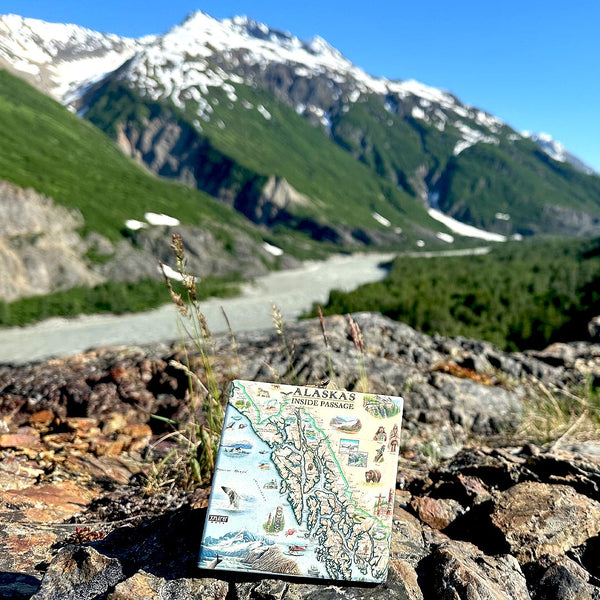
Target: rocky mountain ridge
480, 511
50, 45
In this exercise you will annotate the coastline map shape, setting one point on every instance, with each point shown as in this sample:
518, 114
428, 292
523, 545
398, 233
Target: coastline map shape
312, 493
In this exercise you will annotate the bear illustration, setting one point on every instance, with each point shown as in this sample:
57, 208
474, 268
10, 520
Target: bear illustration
372, 476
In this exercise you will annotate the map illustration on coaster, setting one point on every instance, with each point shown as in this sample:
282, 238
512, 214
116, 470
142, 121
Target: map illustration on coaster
304, 483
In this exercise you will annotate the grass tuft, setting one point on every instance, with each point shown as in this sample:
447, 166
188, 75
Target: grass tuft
192, 460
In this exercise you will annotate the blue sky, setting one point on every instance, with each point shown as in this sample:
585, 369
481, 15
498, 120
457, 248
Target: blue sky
535, 64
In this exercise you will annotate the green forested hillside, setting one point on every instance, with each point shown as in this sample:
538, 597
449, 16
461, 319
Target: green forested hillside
518, 296
519, 179
512, 175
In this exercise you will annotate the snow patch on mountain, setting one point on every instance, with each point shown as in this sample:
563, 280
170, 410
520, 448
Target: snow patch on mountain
135, 225
445, 237
418, 113
264, 112
169, 272
470, 137
381, 219
464, 229
161, 219
274, 250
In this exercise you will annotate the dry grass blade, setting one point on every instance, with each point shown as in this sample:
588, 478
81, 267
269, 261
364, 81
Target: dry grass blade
193, 457
358, 341
277, 319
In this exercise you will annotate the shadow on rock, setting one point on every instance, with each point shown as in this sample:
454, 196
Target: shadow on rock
17, 586
166, 546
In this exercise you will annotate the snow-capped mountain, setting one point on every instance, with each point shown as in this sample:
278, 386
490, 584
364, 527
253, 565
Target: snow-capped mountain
61, 59
204, 52
64, 60
195, 104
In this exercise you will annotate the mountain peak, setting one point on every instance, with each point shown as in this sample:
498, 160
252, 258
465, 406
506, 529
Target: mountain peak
319, 45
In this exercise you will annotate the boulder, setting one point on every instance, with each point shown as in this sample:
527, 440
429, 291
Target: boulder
538, 519
458, 570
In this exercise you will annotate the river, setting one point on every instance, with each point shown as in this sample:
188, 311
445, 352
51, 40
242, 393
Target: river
292, 291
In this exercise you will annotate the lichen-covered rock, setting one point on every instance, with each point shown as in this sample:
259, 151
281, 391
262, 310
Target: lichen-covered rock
538, 519
149, 587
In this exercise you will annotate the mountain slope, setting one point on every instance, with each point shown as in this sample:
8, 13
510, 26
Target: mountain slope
246, 152
73, 165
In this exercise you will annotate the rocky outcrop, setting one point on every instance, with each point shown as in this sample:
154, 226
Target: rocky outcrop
565, 221
207, 254
479, 511
453, 387
40, 249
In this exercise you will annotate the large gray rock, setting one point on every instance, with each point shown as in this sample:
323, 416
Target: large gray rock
79, 573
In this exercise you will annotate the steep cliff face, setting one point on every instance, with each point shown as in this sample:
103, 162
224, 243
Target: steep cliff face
40, 249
